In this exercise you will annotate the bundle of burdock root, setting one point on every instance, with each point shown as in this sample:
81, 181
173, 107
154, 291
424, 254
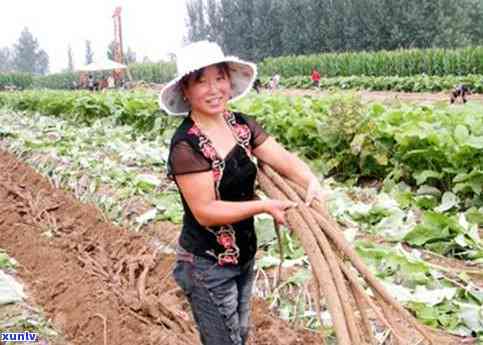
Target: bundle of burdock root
339, 273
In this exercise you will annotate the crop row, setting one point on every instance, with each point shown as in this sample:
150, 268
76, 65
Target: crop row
421, 83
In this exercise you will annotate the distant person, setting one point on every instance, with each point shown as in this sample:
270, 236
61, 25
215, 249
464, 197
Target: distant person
461, 91
102, 84
257, 85
83, 81
91, 84
111, 82
315, 77
274, 82
122, 84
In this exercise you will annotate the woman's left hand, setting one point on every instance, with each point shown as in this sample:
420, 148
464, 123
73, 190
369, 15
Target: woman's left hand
315, 191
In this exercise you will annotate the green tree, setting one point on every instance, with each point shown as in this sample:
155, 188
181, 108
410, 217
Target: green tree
6, 60
197, 29
460, 23
297, 32
28, 57
255, 29
70, 59
238, 27
42, 63
474, 26
214, 30
267, 29
89, 55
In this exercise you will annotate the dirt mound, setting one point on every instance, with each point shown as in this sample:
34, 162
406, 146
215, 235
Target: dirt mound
100, 284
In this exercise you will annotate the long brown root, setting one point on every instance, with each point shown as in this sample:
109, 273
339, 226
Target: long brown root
335, 265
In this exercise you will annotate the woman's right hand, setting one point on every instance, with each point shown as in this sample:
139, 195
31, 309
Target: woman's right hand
276, 208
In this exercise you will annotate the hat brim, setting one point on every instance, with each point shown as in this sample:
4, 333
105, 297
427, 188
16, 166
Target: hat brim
242, 76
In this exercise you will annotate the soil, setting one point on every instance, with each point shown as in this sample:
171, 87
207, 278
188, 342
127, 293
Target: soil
101, 284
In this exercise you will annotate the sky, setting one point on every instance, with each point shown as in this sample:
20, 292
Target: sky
152, 28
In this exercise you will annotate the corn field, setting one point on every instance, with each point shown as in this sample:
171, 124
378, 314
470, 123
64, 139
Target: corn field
405, 62
153, 72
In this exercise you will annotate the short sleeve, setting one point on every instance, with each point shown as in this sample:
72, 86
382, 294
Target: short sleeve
258, 134
184, 159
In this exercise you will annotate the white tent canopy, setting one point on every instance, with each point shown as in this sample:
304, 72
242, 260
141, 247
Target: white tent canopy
103, 65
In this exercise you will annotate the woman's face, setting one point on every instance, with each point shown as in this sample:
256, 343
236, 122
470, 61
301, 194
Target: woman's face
209, 93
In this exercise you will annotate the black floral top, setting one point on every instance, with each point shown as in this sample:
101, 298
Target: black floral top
234, 179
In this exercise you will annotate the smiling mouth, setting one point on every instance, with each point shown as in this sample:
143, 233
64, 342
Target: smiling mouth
215, 101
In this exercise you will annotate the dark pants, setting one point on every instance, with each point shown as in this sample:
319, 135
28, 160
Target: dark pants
219, 298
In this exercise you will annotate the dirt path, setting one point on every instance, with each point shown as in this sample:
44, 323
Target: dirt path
386, 96
98, 283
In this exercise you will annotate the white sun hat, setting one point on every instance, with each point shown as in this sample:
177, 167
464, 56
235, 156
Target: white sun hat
196, 56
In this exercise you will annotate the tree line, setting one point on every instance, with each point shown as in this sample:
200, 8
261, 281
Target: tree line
256, 29
26, 56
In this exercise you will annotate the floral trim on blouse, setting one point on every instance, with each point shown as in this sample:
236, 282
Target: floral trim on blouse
225, 235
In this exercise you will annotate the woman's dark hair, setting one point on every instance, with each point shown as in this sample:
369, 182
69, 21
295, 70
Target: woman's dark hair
196, 75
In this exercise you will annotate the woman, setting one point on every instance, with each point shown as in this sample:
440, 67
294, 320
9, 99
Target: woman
210, 161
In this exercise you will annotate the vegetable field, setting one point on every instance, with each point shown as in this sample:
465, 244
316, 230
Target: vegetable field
87, 210
421, 83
